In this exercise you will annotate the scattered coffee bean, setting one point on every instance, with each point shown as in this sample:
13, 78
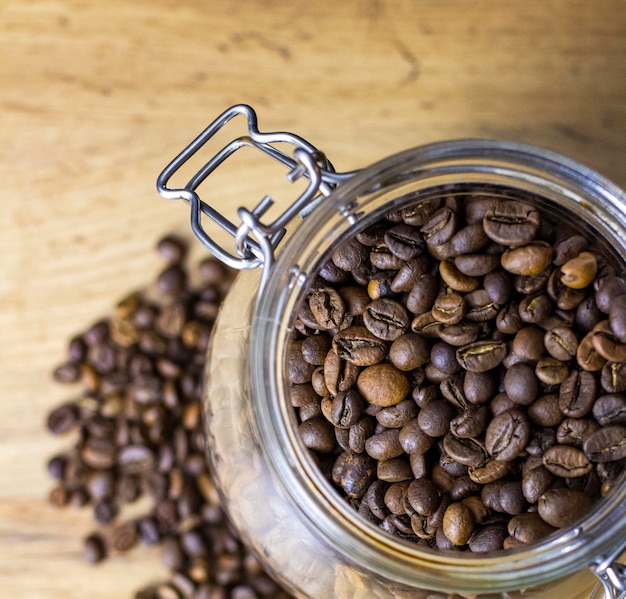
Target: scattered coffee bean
141, 434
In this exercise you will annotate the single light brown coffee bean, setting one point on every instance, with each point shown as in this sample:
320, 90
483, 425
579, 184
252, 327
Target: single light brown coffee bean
566, 461
579, 272
394, 470
507, 435
458, 523
562, 506
529, 259
383, 385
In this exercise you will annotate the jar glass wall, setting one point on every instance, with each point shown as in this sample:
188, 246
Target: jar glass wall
312, 541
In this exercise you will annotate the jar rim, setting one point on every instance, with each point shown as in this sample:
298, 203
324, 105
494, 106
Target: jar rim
563, 552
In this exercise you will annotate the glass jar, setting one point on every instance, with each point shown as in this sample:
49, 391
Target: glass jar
309, 539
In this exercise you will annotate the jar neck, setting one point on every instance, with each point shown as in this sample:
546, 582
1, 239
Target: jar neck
570, 189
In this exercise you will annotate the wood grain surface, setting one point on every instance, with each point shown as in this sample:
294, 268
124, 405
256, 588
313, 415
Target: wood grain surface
96, 97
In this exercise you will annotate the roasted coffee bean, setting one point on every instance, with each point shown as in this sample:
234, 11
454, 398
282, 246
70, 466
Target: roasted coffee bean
610, 409
511, 223
440, 227
480, 387
488, 538
327, 307
359, 346
613, 377
94, 548
561, 343
508, 320
507, 435
521, 384
360, 432
466, 451
574, 431
489, 472
404, 241
535, 308
607, 444
476, 265
386, 319
346, 408
356, 474
504, 496
455, 279
434, 418
423, 497
384, 445
587, 357
449, 308
562, 506
458, 523
349, 255
498, 286
317, 434
564, 297
545, 410
479, 307
577, 394
394, 470
398, 415
383, 385
529, 259
535, 483
579, 272
315, 348
422, 294
409, 351
551, 371
413, 439
470, 423
481, 356
529, 527
63, 419
339, 374
617, 318
566, 461
606, 343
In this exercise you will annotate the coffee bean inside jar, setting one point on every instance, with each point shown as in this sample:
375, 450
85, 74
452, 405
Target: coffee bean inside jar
458, 369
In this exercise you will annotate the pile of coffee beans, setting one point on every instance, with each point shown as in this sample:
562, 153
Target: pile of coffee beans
458, 369
138, 436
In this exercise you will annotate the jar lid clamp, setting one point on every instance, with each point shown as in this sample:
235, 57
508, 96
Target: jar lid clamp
255, 242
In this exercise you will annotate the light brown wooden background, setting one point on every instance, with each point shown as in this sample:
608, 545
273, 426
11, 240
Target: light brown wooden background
96, 97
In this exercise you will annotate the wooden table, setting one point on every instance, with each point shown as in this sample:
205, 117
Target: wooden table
96, 97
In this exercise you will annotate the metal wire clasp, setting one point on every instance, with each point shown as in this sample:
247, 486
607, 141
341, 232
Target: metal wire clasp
255, 242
